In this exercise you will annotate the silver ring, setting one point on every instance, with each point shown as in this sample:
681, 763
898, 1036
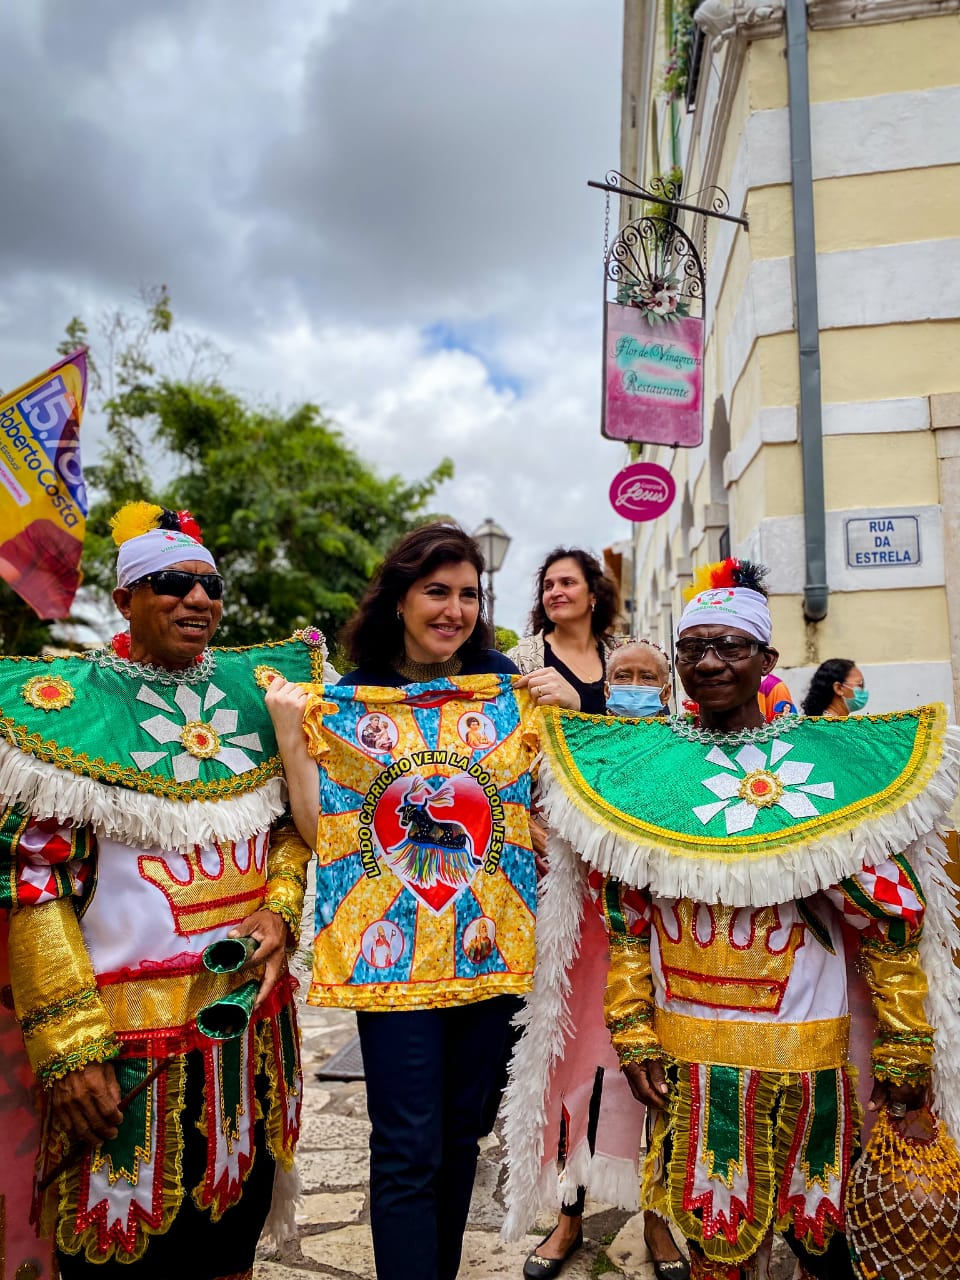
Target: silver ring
898, 1110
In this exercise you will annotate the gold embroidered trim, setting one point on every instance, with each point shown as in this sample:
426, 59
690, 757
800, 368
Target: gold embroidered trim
910, 782
765, 1046
265, 675
48, 693
157, 1002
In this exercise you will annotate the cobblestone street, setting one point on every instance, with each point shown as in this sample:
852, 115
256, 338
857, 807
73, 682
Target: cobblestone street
334, 1233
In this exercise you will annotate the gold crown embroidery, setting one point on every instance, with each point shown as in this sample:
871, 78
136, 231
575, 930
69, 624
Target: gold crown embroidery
705, 965
208, 900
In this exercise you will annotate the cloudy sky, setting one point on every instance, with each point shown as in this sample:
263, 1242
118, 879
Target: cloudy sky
378, 205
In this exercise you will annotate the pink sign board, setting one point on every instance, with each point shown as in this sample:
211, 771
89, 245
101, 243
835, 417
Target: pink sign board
653, 378
642, 491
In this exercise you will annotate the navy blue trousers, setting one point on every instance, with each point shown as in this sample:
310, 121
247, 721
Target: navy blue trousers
430, 1074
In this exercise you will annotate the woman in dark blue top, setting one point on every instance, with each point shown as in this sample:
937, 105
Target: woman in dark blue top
430, 1073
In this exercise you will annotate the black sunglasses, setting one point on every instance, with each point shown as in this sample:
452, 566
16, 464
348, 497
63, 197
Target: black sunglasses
179, 583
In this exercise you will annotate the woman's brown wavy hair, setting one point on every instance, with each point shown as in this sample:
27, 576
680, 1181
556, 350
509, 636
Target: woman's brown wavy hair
373, 638
602, 588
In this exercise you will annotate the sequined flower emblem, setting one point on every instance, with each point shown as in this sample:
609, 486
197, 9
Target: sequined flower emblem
754, 781
204, 731
312, 636
265, 675
48, 693
200, 739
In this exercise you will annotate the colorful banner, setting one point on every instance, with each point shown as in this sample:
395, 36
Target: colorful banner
653, 376
43, 500
426, 887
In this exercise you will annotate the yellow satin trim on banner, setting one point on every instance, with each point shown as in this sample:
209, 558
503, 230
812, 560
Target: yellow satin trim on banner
406, 995
500, 901
435, 961
912, 781
764, 1046
336, 948
157, 1002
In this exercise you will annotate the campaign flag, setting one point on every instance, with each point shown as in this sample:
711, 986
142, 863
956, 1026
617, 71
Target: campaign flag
43, 500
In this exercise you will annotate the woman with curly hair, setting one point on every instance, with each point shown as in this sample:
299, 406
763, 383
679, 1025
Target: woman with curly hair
836, 690
572, 622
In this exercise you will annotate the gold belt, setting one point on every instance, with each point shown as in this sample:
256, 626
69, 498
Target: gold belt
767, 1046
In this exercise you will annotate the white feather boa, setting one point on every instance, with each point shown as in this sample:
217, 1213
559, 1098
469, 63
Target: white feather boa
134, 817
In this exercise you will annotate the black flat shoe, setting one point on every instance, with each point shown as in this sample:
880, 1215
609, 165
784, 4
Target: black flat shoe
679, 1269
537, 1268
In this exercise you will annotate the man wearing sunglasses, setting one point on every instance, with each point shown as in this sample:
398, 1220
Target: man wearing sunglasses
746, 857
144, 823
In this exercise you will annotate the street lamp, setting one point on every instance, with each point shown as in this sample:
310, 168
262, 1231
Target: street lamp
493, 542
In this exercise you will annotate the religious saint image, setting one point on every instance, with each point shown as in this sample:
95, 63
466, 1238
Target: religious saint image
478, 939
377, 732
477, 730
382, 944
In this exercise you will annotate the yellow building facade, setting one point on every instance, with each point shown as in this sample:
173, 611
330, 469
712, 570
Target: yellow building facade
884, 101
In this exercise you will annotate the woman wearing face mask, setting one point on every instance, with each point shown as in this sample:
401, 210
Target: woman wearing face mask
836, 690
638, 680
594, 1125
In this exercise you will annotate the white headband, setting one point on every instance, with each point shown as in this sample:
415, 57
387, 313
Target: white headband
740, 607
155, 550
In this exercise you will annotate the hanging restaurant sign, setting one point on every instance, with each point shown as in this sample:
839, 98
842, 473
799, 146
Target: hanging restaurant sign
653, 293
652, 341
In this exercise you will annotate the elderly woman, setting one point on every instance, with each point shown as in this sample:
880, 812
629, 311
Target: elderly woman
430, 1071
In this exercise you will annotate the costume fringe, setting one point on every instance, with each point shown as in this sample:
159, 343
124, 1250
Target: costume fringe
753, 881
939, 945
545, 1020
281, 1223
607, 1179
134, 817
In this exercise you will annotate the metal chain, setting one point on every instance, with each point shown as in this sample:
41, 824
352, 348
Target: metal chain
606, 229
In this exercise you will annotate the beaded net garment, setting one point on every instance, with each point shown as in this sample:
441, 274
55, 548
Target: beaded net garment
903, 1202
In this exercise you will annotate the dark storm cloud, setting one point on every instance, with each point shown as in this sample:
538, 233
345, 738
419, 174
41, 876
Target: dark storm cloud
440, 159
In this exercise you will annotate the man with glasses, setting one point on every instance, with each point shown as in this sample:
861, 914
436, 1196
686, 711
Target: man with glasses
742, 859
143, 823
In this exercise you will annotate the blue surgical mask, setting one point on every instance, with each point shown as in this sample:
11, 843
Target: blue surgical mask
858, 700
634, 700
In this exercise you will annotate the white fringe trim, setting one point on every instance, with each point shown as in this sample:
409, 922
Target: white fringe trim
281, 1223
762, 881
607, 1180
939, 942
546, 1023
134, 817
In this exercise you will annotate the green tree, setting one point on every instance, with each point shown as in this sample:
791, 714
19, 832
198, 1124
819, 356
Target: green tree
296, 520
505, 638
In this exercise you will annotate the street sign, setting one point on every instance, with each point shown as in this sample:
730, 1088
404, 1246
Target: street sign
642, 491
882, 542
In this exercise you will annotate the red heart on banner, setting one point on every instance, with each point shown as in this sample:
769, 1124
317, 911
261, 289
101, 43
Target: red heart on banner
434, 832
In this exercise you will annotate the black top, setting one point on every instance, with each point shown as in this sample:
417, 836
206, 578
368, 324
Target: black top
487, 662
592, 699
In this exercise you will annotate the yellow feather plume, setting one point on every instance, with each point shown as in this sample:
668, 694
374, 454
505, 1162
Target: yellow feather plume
702, 581
133, 519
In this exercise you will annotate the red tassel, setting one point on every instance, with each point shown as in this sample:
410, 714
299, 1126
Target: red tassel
189, 525
121, 644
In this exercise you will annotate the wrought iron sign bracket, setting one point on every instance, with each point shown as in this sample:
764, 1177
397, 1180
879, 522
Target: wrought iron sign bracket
621, 185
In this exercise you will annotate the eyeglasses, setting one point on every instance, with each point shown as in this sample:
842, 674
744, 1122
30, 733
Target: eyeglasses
179, 583
727, 648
